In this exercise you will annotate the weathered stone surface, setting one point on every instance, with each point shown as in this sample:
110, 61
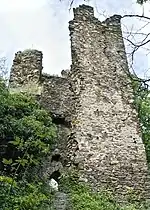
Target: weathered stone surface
26, 72
61, 201
56, 96
92, 104
107, 127
26, 76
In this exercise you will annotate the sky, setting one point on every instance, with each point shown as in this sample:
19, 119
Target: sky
43, 25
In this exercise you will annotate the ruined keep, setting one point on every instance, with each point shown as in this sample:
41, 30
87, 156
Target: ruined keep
92, 105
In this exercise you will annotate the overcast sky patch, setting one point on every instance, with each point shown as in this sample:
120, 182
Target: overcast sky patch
43, 25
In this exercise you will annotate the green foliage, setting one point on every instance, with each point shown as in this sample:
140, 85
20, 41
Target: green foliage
23, 195
26, 130
142, 103
144, 115
26, 136
82, 197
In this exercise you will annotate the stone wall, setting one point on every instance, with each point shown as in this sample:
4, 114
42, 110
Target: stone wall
26, 76
26, 71
106, 126
56, 96
92, 104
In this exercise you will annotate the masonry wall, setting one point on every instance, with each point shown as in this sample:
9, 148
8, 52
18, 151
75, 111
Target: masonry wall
53, 92
92, 105
26, 71
106, 126
56, 96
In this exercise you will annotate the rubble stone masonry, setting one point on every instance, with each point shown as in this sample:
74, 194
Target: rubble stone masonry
95, 98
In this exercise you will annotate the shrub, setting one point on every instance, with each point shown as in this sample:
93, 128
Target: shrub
26, 130
23, 195
26, 136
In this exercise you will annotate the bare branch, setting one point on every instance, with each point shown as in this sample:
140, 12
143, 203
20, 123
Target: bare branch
137, 16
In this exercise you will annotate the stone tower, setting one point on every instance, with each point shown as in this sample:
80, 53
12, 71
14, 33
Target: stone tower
26, 71
106, 126
98, 125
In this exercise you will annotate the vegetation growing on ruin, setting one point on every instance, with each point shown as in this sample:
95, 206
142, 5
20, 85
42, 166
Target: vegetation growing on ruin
142, 104
26, 134
82, 197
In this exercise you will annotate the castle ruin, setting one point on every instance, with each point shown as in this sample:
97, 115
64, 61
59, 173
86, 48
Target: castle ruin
92, 104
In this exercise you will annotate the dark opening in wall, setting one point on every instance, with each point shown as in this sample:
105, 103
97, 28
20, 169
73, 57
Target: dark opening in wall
59, 120
55, 175
55, 157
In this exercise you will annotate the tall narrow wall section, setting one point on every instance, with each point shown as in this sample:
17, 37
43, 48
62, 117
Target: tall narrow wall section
105, 123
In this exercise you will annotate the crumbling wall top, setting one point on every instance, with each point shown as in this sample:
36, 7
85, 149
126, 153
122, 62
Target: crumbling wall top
113, 20
26, 71
83, 10
20, 56
86, 12
110, 152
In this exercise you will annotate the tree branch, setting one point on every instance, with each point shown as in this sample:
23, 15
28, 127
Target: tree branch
137, 16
